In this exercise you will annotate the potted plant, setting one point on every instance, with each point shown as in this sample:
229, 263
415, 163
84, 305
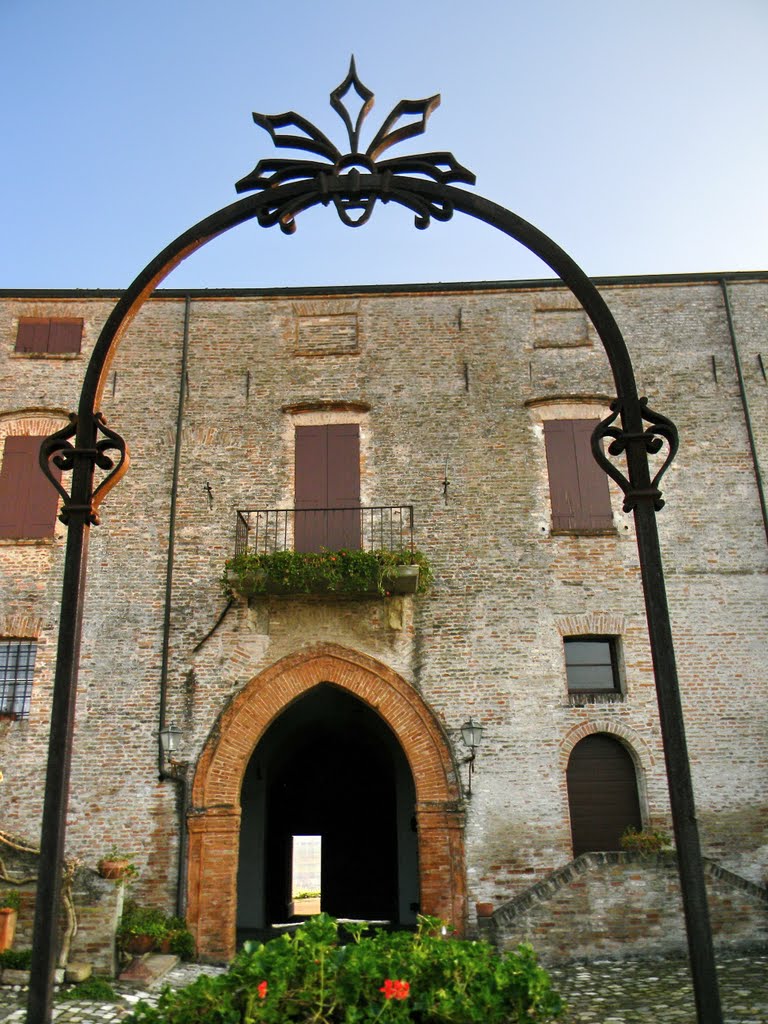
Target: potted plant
146, 929
10, 902
644, 840
117, 866
141, 929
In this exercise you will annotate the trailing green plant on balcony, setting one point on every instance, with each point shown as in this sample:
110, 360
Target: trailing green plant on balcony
341, 573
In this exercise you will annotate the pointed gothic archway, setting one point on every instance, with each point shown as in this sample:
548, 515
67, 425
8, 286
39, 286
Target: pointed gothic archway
214, 819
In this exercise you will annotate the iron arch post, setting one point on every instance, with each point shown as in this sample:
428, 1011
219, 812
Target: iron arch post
634, 430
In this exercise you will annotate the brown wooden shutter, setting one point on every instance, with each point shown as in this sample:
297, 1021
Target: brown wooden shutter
311, 486
578, 488
602, 794
28, 501
327, 477
65, 335
49, 334
593, 481
32, 335
343, 486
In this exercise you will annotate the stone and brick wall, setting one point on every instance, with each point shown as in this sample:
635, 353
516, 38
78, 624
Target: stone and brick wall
97, 904
622, 904
446, 383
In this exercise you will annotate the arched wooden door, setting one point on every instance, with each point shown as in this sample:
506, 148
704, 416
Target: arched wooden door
602, 793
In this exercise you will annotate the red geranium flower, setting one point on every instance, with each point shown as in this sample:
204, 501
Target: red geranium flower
395, 989
262, 989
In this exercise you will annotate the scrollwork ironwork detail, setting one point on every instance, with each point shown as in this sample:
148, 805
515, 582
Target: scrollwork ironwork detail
354, 204
660, 431
58, 450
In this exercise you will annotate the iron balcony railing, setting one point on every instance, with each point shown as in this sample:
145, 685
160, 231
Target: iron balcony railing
366, 528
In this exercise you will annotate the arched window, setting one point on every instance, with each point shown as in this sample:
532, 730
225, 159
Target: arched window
602, 793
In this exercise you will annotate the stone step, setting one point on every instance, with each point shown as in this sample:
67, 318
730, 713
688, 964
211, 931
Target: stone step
149, 970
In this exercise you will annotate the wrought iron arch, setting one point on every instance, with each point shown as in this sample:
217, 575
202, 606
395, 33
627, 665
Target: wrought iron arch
353, 183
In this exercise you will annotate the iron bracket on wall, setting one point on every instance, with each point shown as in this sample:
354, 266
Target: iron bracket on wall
59, 451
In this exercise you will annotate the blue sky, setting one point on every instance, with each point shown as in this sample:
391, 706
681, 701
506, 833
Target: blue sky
635, 135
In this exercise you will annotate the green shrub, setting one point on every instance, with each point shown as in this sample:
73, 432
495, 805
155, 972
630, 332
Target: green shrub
10, 898
96, 990
311, 975
181, 943
346, 573
166, 932
644, 840
16, 959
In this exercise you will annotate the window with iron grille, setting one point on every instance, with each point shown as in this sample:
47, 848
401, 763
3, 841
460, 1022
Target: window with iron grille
17, 666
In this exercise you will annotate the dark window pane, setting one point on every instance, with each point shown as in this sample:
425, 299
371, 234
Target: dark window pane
591, 664
590, 677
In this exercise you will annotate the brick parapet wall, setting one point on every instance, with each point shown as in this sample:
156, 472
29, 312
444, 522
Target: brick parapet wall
623, 904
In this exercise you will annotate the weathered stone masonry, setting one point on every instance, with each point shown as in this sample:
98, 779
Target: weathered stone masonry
447, 383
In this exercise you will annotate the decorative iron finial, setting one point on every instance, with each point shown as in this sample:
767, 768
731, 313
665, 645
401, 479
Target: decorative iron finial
652, 440
355, 203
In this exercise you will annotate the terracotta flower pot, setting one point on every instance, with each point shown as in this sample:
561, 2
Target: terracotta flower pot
484, 909
137, 945
113, 869
8, 917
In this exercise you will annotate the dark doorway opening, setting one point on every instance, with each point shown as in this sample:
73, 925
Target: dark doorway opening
329, 767
602, 794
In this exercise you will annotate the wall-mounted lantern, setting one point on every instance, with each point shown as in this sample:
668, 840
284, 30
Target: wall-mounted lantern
471, 735
170, 738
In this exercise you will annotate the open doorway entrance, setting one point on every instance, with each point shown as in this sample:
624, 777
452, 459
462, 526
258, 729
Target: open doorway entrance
329, 768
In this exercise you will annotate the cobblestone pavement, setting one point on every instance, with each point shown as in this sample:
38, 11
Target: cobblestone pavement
658, 990
639, 991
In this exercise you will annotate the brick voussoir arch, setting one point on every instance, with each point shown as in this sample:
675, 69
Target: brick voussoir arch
214, 818
636, 745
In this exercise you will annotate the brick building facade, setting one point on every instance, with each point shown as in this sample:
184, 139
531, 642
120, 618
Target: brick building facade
312, 715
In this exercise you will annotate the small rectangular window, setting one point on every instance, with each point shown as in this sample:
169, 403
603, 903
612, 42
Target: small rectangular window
591, 664
46, 335
17, 666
